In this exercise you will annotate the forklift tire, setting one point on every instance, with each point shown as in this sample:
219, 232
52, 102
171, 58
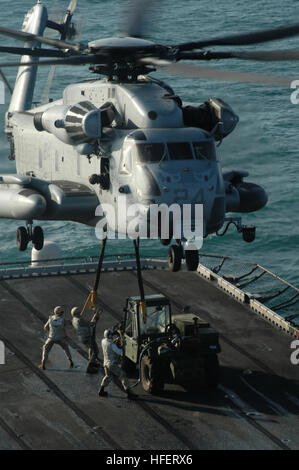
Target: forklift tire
211, 371
174, 258
151, 379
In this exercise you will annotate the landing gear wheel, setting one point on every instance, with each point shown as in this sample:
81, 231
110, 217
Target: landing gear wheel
151, 379
38, 238
165, 241
211, 371
22, 238
174, 258
192, 259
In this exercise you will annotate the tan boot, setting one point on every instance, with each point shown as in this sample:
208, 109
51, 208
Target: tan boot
42, 365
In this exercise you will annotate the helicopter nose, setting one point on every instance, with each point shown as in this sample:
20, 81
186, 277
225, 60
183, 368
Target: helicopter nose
147, 185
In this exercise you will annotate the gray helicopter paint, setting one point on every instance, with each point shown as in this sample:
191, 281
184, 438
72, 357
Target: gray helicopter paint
197, 180
72, 125
133, 101
15, 179
20, 203
181, 182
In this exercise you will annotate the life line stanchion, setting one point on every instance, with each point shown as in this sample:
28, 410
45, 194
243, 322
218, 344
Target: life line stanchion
92, 297
140, 281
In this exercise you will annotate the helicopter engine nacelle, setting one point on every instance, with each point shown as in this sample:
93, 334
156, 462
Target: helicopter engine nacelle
73, 125
214, 116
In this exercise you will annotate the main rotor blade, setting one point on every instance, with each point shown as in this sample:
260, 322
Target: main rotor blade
194, 71
243, 39
136, 15
267, 56
76, 60
32, 52
22, 36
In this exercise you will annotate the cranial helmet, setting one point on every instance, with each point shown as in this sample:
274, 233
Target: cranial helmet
107, 333
58, 310
75, 312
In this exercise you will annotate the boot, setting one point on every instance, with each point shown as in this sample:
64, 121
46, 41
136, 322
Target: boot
92, 369
131, 395
102, 392
42, 365
71, 364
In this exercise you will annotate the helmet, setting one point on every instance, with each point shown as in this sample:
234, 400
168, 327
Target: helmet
75, 312
58, 310
107, 333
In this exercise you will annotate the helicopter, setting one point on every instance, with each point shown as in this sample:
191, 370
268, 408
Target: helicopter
126, 137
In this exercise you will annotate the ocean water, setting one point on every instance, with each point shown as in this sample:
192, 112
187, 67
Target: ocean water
265, 142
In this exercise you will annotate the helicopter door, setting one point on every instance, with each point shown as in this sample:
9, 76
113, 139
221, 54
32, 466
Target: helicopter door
130, 336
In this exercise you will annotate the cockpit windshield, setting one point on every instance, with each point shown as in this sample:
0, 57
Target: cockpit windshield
157, 318
157, 152
204, 150
153, 152
180, 151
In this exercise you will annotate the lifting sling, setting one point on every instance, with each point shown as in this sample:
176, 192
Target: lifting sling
92, 297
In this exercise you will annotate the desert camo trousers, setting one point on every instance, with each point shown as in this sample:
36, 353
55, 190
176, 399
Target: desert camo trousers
114, 371
49, 345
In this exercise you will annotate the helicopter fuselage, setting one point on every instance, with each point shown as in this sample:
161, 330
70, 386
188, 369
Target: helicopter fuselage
152, 158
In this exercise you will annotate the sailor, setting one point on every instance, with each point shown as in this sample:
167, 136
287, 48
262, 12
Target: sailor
112, 354
86, 331
56, 327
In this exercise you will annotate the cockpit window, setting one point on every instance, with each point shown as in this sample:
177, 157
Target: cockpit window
150, 152
204, 150
180, 151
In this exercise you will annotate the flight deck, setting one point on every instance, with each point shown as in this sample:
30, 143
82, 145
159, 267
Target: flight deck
256, 405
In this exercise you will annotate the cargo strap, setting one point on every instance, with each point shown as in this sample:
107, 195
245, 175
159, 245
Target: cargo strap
140, 281
92, 297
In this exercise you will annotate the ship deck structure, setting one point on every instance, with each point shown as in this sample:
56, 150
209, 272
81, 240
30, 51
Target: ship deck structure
255, 407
